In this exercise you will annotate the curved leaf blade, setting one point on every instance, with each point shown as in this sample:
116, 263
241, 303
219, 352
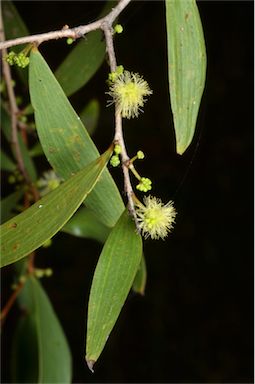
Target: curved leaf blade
30, 229
6, 163
47, 345
89, 115
186, 67
113, 278
54, 354
24, 361
65, 141
139, 283
8, 205
82, 63
85, 224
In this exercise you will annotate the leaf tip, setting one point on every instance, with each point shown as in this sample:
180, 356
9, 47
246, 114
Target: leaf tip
90, 364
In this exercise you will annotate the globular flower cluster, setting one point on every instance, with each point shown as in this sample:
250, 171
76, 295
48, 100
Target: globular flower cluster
144, 184
155, 219
128, 91
19, 59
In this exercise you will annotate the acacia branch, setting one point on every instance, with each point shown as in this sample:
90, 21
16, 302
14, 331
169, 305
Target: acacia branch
74, 33
13, 110
118, 138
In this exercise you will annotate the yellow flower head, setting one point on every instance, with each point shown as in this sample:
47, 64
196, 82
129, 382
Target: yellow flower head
128, 92
155, 219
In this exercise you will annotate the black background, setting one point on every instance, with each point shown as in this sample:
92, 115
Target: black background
195, 322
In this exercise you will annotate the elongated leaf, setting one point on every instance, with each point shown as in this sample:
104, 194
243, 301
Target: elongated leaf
31, 228
186, 66
8, 204
84, 59
113, 278
6, 163
85, 224
65, 141
89, 116
44, 343
14, 27
82, 62
139, 283
24, 362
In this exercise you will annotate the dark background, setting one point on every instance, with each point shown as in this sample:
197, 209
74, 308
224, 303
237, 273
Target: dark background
195, 322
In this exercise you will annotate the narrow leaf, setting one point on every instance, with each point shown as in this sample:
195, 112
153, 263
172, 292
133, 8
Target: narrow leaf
43, 343
85, 224
66, 144
82, 62
24, 357
89, 116
8, 205
6, 163
113, 278
186, 67
31, 228
139, 283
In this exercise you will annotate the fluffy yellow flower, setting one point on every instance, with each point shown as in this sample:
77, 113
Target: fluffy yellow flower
154, 218
128, 91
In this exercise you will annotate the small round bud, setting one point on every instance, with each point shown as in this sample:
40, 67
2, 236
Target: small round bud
115, 161
140, 155
39, 273
22, 279
118, 28
69, 41
19, 100
117, 149
48, 272
144, 185
10, 58
21, 60
23, 119
11, 179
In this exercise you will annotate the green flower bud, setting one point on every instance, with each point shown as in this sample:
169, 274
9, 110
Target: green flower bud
140, 155
39, 273
11, 179
115, 161
118, 28
10, 58
48, 272
117, 149
69, 41
144, 185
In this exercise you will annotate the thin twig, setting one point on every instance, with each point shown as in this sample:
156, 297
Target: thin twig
13, 110
74, 33
118, 137
10, 302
